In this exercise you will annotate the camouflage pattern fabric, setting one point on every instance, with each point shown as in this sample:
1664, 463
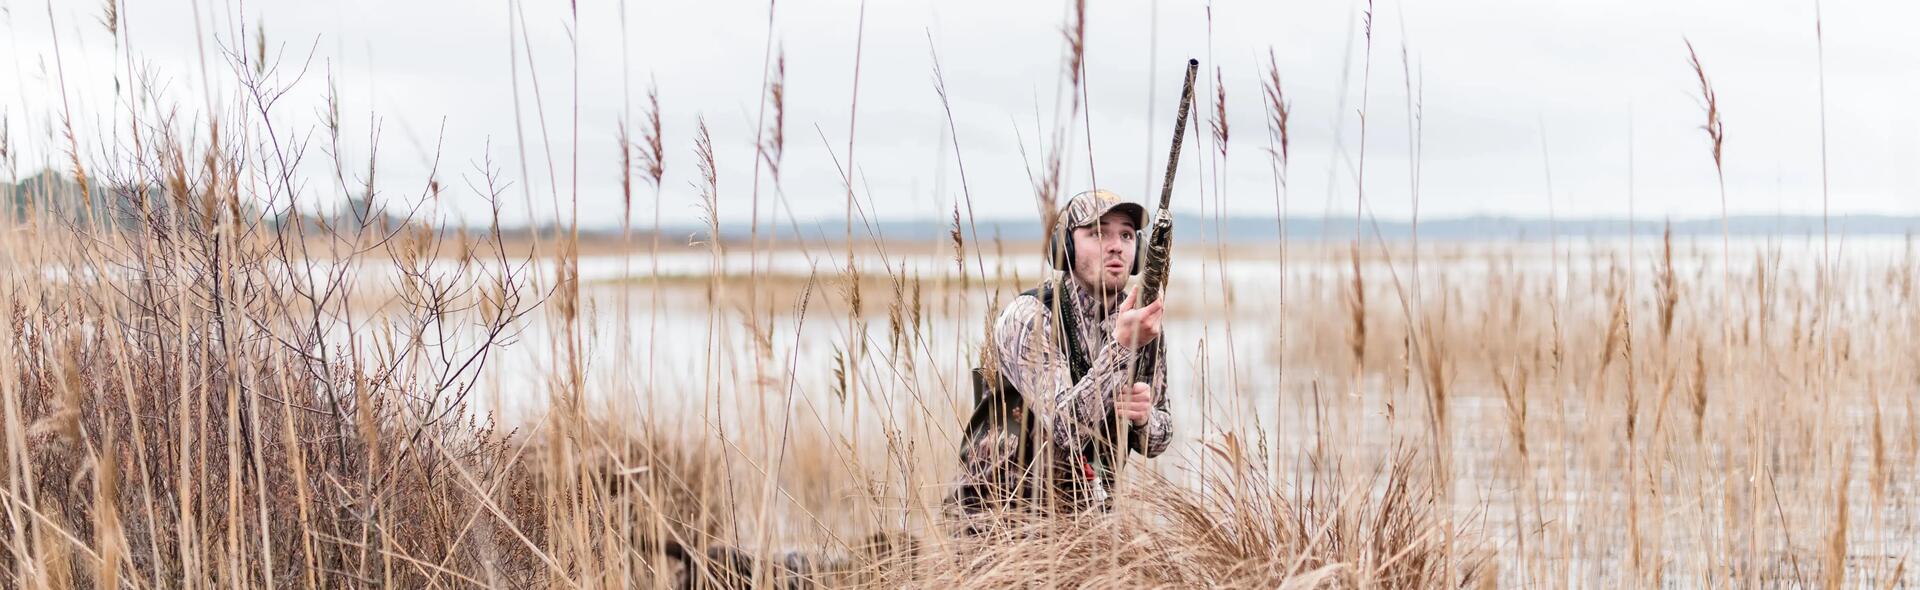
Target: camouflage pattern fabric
1067, 415
1085, 209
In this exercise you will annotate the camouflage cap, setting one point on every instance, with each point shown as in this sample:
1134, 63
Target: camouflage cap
1087, 208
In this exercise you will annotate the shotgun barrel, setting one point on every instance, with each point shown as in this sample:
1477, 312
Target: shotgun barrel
1159, 250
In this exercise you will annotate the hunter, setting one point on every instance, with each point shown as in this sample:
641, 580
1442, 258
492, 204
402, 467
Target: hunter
1056, 375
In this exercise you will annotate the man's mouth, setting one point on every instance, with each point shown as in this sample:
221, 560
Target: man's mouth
1116, 265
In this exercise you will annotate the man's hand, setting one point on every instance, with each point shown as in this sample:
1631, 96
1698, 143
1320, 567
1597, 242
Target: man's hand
1134, 405
1135, 328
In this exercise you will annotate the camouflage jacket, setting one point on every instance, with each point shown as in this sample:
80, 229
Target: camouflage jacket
1067, 415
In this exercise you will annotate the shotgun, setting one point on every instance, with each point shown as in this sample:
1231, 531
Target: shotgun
1158, 254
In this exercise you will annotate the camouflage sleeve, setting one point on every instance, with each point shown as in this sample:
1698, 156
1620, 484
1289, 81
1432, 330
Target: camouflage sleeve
1152, 440
1066, 411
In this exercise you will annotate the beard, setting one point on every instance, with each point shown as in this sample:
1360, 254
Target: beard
1096, 277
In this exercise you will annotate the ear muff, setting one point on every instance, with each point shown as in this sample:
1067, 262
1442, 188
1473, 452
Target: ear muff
1139, 242
1060, 249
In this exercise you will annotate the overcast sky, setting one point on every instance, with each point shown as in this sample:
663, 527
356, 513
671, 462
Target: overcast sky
1507, 92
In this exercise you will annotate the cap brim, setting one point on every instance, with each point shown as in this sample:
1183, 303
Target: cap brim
1133, 210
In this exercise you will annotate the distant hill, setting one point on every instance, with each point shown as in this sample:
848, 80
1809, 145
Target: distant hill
53, 197
50, 196
51, 193
1258, 229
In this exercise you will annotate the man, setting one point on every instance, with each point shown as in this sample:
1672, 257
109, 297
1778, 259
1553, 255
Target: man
1056, 375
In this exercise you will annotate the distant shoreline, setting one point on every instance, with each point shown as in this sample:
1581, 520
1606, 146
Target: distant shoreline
1267, 229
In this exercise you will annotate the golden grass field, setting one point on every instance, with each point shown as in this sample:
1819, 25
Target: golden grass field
192, 396
1610, 417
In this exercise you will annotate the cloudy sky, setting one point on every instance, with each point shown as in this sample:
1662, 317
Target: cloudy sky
1507, 92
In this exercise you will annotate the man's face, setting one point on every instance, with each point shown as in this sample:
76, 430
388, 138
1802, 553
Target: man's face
1103, 252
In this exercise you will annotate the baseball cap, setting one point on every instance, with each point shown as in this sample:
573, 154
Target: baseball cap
1087, 208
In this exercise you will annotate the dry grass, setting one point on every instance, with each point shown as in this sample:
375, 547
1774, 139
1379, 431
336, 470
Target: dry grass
1683, 501
1245, 531
248, 476
200, 399
204, 400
